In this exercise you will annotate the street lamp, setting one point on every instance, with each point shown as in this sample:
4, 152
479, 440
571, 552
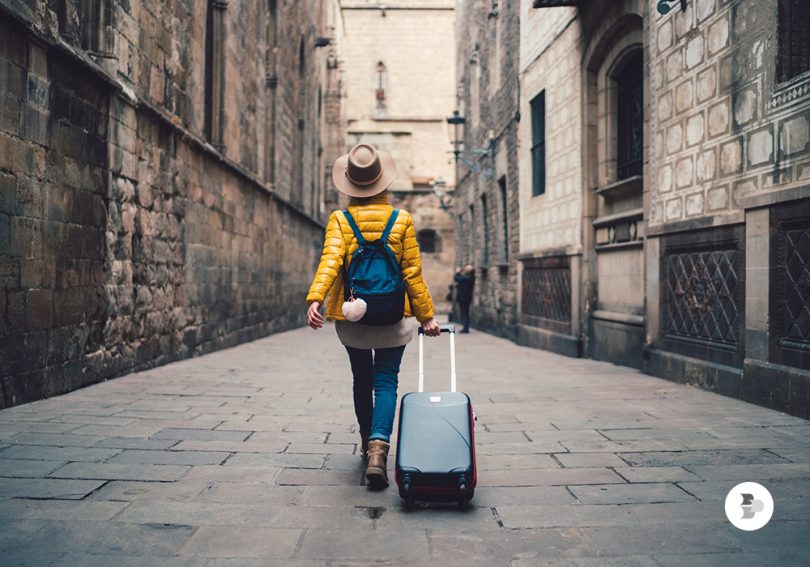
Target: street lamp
439, 186
456, 122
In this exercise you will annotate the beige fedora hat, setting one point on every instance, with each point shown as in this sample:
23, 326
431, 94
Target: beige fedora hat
364, 171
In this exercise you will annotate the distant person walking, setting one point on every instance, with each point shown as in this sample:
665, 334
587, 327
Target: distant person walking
465, 281
374, 334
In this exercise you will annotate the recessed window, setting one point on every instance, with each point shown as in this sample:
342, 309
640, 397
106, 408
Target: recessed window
538, 108
630, 118
428, 241
485, 225
504, 219
380, 84
214, 71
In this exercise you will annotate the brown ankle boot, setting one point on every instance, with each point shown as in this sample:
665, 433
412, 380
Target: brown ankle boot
376, 472
364, 446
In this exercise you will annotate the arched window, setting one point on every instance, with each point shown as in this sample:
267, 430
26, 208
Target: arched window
428, 241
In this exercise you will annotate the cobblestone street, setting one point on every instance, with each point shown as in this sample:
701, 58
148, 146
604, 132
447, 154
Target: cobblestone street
248, 456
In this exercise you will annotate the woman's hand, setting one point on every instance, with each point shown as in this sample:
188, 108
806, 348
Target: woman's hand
431, 328
314, 317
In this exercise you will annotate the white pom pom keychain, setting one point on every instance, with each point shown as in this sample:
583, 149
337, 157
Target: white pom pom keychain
354, 309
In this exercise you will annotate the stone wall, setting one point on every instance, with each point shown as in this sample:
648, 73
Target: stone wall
127, 239
488, 98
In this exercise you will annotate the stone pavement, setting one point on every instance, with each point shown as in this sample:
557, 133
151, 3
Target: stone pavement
249, 457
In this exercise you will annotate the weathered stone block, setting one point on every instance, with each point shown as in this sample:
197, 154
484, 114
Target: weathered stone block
705, 165
704, 9
706, 84
10, 110
794, 136
674, 138
694, 129
26, 237
674, 65
37, 273
5, 235
718, 35
731, 157
674, 209
694, 52
718, 119
664, 36
745, 106
683, 173
8, 193
665, 106
684, 96
760, 147
743, 188
717, 198
694, 204
40, 308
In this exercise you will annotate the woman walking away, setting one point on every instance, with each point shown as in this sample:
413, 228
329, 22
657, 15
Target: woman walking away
371, 269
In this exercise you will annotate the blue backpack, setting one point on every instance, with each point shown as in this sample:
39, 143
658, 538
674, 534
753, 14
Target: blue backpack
374, 275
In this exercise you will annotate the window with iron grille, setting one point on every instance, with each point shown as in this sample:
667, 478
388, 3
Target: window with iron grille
538, 108
630, 118
485, 222
214, 70
462, 244
789, 297
794, 39
471, 233
504, 219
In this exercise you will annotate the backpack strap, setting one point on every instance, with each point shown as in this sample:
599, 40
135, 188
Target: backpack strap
359, 235
355, 229
388, 227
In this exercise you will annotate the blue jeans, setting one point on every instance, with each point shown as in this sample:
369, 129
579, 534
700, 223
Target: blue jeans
375, 371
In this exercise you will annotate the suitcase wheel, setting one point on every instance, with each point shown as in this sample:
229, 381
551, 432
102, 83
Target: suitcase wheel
407, 493
463, 500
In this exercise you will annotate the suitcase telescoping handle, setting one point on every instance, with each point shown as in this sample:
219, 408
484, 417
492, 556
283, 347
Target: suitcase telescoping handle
450, 330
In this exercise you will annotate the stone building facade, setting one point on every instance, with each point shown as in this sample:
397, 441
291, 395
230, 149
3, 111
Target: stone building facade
398, 77
486, 202
161, 185
728, 237
662, 187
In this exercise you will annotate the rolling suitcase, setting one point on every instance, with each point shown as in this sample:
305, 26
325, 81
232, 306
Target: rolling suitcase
436, 444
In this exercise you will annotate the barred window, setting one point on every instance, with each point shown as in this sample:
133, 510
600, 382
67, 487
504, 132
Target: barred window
214, 70
504, 219
794, 39
485, 222
630, 118
538, 108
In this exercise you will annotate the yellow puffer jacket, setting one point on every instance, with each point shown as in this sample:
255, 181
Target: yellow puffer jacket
340, 244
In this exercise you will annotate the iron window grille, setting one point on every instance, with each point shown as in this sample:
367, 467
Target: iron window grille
504, 219
794, 39
630, 118
484, 220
